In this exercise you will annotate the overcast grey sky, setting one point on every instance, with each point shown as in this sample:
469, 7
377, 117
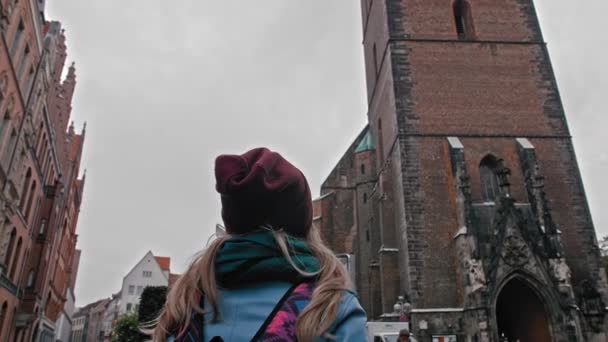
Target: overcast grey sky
165, 86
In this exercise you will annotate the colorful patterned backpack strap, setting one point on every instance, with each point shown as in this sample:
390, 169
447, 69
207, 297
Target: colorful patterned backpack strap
193, 332
280, 326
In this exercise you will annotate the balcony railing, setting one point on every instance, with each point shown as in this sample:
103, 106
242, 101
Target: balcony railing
12, 288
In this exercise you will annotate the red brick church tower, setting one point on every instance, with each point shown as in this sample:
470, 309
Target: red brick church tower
477, 214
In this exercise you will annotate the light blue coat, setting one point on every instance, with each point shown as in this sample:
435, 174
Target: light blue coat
244, 310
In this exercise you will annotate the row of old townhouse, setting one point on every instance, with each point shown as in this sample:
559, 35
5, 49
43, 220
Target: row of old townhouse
96, 321
41, 188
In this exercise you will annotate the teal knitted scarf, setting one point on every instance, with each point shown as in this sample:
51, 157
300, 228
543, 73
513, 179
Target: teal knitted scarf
256, 257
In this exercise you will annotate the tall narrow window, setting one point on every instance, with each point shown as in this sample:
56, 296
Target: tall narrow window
10, 248
51, 177
28, 82
12, 142
380, 142
375, 59
29, 201
364, 197
47, 162
41, 136
30, 279
362, 169
42, 226
22, 61
17, 38
4, 125
488, 179
26, 184
15, 263
3, 312
462, 19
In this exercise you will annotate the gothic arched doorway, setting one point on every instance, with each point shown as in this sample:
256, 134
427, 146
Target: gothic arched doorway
521, 315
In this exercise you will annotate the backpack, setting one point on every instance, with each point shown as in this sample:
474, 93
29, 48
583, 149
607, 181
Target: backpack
279, 326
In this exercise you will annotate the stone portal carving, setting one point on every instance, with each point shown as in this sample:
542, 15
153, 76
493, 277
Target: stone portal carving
561, 274
477, 277
515, 252
561, 271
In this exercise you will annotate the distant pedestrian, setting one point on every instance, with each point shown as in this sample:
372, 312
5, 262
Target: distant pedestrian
270, 278
405, 336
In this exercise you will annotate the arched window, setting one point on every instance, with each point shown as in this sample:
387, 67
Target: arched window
41, 138
3, 311
51, 177
362, 169
12, 142
28, 81
375, 59
4, 125
17, 38
42, 226
11, 247
380, 142
29, 201
30, 279
488, 179
463, 20
15, 264
26, 184
22, 61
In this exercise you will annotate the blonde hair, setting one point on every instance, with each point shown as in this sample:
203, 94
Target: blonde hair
199, 280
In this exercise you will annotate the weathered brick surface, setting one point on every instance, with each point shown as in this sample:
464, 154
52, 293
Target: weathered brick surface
503, 148
356, 214
479, 89
375, 34
493, 20
424, 85
569, 206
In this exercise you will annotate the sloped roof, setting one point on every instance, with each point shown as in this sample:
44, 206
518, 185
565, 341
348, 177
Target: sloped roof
85, 309
367, 143
355, 147
163, 262
150, 254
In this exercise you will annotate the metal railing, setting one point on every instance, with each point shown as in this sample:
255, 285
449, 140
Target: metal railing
10, 286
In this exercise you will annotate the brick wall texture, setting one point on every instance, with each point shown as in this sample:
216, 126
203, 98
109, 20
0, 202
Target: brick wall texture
426, 83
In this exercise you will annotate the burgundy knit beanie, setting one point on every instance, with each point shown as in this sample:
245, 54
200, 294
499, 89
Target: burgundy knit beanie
261, 187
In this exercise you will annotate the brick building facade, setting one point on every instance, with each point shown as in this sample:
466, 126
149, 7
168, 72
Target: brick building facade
468, 202
39, 172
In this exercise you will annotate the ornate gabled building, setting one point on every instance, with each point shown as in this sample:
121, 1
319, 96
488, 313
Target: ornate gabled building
39, 171
475, 212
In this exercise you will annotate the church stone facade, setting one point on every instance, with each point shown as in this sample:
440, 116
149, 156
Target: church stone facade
463, 194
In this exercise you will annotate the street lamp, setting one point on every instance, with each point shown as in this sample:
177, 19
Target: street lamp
402, 308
